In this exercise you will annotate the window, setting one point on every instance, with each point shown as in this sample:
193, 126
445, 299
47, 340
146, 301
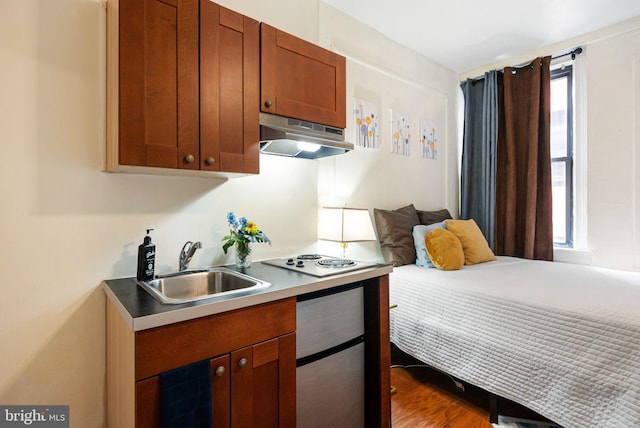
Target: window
562, 155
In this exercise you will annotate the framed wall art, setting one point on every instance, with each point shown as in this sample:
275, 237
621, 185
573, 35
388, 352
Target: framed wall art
400, 133
366, 120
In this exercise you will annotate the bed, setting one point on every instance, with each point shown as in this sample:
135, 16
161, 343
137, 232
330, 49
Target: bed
560, 339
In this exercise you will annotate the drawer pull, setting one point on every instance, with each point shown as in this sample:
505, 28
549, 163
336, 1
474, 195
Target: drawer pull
242, 362
220, 371
189, 158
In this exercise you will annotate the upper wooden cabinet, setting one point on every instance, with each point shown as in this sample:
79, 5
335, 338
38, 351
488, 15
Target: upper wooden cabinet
229, 89
301, 80
187, 74
158, 83
185, 79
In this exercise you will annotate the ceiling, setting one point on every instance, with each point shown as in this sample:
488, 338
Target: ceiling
467, 34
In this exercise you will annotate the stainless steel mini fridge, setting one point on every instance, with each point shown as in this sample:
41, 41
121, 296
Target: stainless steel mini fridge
330, 358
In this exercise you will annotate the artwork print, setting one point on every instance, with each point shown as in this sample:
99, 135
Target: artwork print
366, 124
428, 140
400, 133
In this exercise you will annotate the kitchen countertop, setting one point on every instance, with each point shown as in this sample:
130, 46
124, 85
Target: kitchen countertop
141, 311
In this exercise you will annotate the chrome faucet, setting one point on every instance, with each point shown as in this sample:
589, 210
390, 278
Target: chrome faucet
188, 250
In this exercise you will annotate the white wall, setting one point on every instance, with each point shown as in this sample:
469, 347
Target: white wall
392, 77
613, 157
65, 225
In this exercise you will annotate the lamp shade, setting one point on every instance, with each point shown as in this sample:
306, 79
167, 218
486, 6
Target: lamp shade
345, 225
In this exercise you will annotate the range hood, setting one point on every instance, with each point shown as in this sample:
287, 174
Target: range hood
285, 136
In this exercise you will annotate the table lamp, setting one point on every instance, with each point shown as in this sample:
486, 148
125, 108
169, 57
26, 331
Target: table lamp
345, 225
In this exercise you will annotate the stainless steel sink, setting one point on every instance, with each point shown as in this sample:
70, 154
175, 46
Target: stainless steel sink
189, 286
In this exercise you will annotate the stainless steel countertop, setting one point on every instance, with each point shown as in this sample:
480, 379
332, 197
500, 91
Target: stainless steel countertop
141, 311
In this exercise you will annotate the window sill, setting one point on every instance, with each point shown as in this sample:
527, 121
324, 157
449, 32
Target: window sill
571, 255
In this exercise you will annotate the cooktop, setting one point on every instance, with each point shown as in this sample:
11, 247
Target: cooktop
318, 265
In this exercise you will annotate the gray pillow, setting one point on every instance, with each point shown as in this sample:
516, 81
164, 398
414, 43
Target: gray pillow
430, 217
395, 228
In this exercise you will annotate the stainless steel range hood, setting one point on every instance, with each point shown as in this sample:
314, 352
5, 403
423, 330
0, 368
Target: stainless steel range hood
284, 136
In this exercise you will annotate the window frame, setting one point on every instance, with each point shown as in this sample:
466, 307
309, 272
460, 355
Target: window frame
566, 71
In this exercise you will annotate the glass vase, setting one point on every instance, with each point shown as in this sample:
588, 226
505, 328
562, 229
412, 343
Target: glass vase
243, 255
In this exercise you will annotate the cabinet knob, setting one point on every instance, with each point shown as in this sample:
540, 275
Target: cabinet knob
268, 104
210, 160
189, 158
242, 362
220, 371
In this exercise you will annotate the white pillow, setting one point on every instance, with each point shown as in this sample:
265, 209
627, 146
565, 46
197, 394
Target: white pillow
419, 233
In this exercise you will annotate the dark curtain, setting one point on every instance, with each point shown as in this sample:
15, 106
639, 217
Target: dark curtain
524, 226
478, 176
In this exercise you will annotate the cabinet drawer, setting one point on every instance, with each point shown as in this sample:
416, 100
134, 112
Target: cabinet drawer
164, 348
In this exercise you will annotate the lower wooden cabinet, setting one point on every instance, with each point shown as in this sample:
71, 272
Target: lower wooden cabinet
250, 387
252, 362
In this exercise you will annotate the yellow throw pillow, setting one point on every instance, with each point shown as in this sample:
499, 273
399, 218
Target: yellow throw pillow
475, 246
444, 249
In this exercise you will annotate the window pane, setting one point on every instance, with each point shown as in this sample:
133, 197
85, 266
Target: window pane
559, 195
559, 117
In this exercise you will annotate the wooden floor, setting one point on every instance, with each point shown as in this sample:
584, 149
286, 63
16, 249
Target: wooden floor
418, 403
428, 398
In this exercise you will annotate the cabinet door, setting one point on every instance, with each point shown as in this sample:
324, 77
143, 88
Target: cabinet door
158, 83
148, 399
301, 80
229, 90
263, 384
148, 403
220, 391
254, 386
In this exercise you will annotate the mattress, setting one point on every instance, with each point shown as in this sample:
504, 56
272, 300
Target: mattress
561, 339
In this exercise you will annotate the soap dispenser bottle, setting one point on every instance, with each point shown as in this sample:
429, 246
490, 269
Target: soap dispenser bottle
146, 259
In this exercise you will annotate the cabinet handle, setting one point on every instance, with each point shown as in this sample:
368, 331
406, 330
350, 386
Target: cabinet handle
268, 103
220, 371
210, 160
242, 362
189, 158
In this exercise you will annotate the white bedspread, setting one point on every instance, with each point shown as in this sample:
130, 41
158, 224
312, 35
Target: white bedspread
561, 339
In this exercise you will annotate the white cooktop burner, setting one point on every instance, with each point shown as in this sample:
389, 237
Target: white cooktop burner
309, 257
335, 263
318, 265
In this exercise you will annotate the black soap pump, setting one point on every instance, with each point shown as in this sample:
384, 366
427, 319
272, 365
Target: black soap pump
146, 259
